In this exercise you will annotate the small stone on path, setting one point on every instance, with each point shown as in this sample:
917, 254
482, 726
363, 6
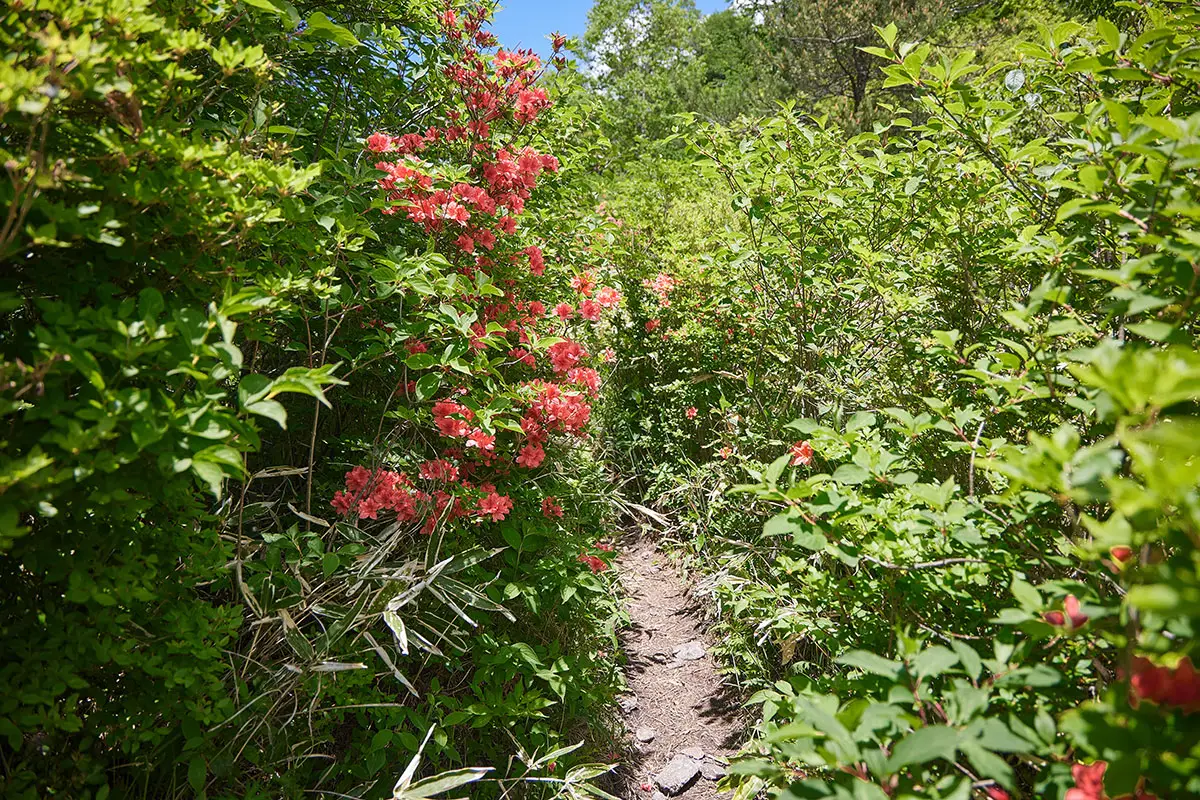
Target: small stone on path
690, 651
646, 734
693, 752
678, 774
711, 771
627, 702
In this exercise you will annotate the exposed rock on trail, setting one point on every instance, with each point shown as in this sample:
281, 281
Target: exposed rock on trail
683, 723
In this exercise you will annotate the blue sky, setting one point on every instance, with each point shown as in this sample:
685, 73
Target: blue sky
525, 23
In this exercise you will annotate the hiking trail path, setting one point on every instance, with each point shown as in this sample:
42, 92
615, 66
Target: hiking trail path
682, 721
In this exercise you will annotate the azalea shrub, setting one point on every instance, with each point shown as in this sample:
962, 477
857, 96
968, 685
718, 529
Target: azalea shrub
923, 401
297, 492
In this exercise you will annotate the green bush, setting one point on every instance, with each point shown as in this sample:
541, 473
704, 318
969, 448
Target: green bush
970, 566
193, 258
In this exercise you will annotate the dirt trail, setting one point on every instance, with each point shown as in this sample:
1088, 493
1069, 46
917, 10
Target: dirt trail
675, 691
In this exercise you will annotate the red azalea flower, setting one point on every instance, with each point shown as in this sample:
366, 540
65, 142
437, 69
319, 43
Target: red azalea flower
608, 297
585, 376
595, 563
1072, 619
585, 284
551, 508
652, 325
379, 143
495, 506
1122, 557
691, 412
565, 355
802, 454
483, 441
1163, 686
1089, 784
590, 310
531, 456
1089, 781
342, 502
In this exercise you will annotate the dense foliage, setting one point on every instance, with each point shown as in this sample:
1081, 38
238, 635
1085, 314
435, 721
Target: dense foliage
956, 355
329, 329
263, 531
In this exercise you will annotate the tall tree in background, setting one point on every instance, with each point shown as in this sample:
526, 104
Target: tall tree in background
642, 57
737, 76
816, 45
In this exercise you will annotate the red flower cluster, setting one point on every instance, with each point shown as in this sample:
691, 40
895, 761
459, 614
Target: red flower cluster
586, 377
475, 216
451, 418
551, 508
495, 506
661, 286
608, 297
531, 455
1089, 784
585, 284
1178, 687
566, 355
556, 410
439, 470
369, 492
595, 563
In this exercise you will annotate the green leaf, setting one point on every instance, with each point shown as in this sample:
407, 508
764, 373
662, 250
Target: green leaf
933, 661
801, 530
253, 387
1155, 597
860, 420
210, 474
271, 409
989, 764
872, 663
1029, 597
197, 773
428, 386
969, 659
420, 361
1112, 37
923, 745
781, 524
443, 782
323, 27
771, 476
11, 732
850, 474
995, 735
